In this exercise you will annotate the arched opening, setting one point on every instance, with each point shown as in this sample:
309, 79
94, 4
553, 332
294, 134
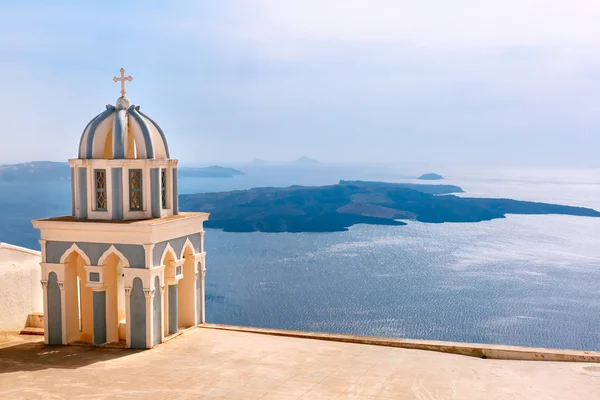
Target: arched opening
78, 300
187, 286
170, 304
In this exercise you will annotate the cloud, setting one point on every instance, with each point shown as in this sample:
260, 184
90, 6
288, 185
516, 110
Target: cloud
288, 27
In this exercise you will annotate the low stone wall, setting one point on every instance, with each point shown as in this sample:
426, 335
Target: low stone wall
20, 288
467, 349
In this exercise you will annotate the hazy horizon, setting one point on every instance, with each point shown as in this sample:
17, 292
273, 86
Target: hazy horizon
355, 81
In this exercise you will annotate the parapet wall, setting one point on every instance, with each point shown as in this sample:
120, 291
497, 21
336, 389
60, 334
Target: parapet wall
479, 350
20, 288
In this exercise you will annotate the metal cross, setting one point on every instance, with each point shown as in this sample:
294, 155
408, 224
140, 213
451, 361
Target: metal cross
122, 79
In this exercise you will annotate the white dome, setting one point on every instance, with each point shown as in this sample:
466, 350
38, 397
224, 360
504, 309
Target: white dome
123, 132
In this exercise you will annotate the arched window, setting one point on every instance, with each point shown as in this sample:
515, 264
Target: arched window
135, 190
163, 187
100, 189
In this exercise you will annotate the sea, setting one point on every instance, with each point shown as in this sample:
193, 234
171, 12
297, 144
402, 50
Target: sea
523, 280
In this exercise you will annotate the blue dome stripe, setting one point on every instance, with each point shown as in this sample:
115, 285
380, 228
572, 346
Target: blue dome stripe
119, 125
95, 123
162, 134
82, 150
145, 131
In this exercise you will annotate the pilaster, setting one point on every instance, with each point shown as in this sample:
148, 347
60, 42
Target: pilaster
164, 314
149, 247
63, 313
149, 293
44, 283
128, 314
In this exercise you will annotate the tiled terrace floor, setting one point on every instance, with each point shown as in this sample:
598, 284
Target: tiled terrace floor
215, 364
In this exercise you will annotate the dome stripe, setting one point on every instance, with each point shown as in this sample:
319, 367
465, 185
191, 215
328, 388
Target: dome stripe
119, 126
83, 136
145, 131
162, 134
95, 123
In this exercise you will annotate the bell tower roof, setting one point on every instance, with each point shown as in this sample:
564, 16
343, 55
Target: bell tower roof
123, 131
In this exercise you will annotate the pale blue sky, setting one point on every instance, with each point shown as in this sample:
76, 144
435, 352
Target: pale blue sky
467, 81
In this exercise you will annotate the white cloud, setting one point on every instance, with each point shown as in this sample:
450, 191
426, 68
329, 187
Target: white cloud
290, 27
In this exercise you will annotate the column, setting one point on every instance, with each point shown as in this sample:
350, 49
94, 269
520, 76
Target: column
202, 294
149, 293
128, 314
45, 294
163, 304
63, 307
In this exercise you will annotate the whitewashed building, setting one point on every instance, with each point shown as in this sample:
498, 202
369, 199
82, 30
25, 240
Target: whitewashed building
126, 266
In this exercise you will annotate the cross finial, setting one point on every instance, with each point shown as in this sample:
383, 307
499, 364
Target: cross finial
122, 79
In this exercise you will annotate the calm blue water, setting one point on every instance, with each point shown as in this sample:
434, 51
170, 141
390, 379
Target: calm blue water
524, 280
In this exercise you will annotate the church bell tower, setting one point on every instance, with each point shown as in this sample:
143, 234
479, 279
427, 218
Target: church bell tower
126, 267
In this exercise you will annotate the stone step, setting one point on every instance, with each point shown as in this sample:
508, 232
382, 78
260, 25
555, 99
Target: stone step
35, 320
32, 331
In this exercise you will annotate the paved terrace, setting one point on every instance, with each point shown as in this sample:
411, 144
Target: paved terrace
219, 364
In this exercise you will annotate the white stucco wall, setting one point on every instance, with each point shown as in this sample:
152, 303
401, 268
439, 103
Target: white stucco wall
20, 288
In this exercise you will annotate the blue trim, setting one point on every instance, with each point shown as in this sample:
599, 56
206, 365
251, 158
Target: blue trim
119, 125
145, 131
99, 311
173, 309
138, 315
82, 191
155, 192
162, 134
156, 312
90, 139
117, 193
175, 194
53, 313
73, 208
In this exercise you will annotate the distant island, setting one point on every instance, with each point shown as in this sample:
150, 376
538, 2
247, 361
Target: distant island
430, 177
306, 160
336, 207
37, 171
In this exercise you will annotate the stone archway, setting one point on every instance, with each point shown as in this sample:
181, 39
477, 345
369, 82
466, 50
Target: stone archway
78, 298
170, 301
186, 290
115, 311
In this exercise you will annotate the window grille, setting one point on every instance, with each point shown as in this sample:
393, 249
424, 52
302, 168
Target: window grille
163, 187
100, 179
135, 189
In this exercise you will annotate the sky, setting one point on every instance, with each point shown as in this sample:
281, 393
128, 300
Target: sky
512, 82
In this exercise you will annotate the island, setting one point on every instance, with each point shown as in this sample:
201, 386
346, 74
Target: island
38, 171
337, 207
430, 177
306, 160
35, 171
